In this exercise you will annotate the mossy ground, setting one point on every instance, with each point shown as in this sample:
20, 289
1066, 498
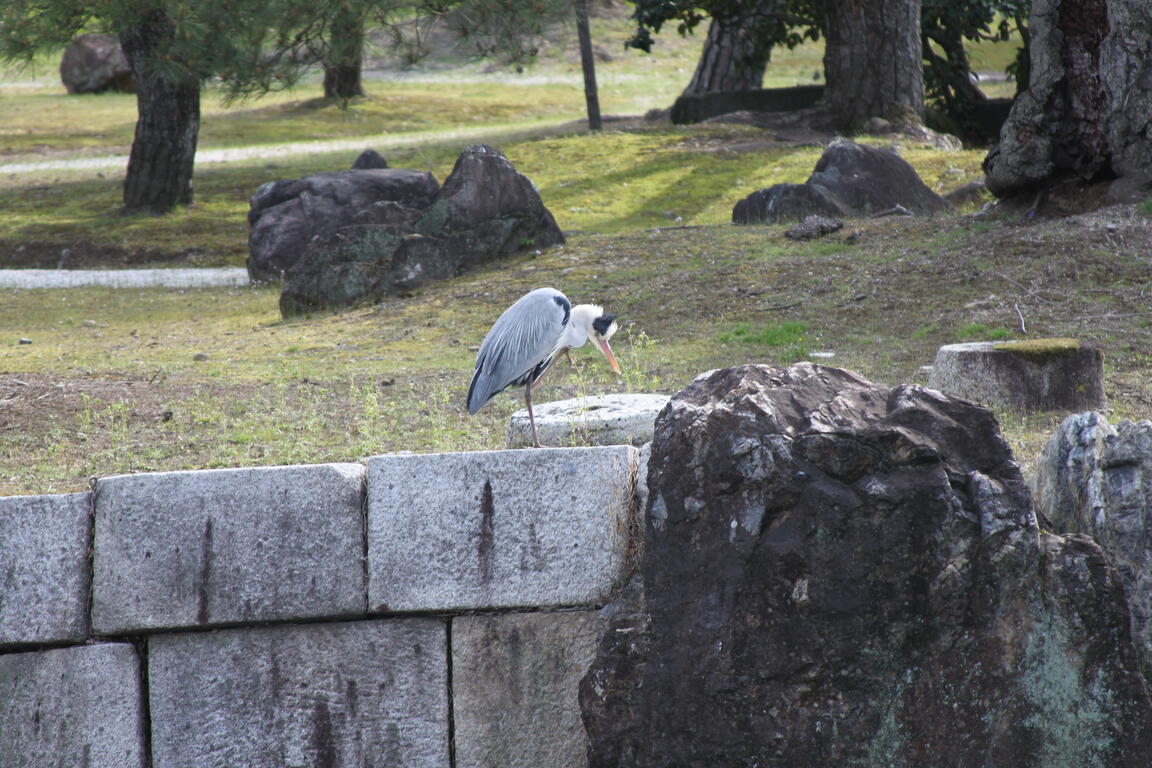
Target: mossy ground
124, 380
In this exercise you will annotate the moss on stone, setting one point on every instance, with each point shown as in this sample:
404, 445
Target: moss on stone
1039, 350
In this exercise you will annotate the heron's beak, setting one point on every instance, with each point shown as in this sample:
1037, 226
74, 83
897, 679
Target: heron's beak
607, 350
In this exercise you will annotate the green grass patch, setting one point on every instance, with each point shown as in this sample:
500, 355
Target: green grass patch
787, 338
982, 332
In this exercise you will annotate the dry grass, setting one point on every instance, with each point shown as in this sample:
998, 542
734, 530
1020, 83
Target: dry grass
131, 381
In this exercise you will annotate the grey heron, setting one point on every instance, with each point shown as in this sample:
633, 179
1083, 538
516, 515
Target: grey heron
526, 339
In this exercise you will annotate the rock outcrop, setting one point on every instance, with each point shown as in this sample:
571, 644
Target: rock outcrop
1096, 479
849, 180
839, 573
359, 235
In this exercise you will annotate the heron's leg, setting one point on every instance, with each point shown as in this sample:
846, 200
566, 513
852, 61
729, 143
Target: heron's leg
531, 417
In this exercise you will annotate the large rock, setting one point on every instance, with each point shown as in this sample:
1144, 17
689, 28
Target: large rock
1096, 479
222, 546
499, 529
44, 568
838, 573
286, 216
849, 180
527, 667
339, 238
79, 706
338, 695
94, 64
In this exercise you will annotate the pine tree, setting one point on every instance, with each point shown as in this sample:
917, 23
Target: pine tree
173, 47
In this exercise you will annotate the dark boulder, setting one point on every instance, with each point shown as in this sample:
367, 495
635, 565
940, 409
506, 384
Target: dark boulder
838, 573
486, 209
94, 64
784, 202
849, 180
287, 216
368, 159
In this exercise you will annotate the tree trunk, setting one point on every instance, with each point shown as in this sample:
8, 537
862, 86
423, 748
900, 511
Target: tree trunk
730, 61
1086, 115
343, 63
588, 62
872, 62
159, 173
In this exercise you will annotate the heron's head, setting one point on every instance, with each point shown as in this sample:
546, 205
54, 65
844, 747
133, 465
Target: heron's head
599, 327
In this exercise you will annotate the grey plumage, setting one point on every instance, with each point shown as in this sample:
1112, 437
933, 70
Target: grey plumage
525, 340
520, 346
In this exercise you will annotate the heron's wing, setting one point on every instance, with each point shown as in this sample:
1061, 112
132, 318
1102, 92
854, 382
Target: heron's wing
521, 339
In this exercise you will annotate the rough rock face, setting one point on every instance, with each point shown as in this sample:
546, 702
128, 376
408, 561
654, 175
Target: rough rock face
849, 180
1096, 479
784, 202
286, 216
837, 573
94, 64
340, 238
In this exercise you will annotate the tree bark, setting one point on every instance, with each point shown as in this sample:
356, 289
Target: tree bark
730, 61
160, 164
872, 62
342, 65
1086, 115
588, 62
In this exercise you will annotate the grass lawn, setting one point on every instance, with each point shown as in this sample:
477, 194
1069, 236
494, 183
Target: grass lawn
127, 380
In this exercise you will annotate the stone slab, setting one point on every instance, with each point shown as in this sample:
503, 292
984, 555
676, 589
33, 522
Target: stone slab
496, 529
1033, 375
515, 686
44, 569
619, 419
341, 694
179, 549
77, 706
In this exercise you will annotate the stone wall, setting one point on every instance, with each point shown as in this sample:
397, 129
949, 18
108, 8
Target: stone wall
415, 610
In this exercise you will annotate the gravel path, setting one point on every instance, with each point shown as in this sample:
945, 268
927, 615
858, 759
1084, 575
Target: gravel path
380, 142
123, 278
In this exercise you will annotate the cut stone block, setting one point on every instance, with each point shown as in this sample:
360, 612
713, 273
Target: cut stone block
601, 420
72, 707
178, 549
44, 568
515, 682
498, 528
335, 694
1033, 375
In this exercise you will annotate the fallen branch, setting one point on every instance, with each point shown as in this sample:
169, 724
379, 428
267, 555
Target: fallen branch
1020, 315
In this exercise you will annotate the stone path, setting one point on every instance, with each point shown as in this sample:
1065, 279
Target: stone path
123, 278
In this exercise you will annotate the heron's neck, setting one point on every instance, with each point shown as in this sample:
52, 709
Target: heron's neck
579, 321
